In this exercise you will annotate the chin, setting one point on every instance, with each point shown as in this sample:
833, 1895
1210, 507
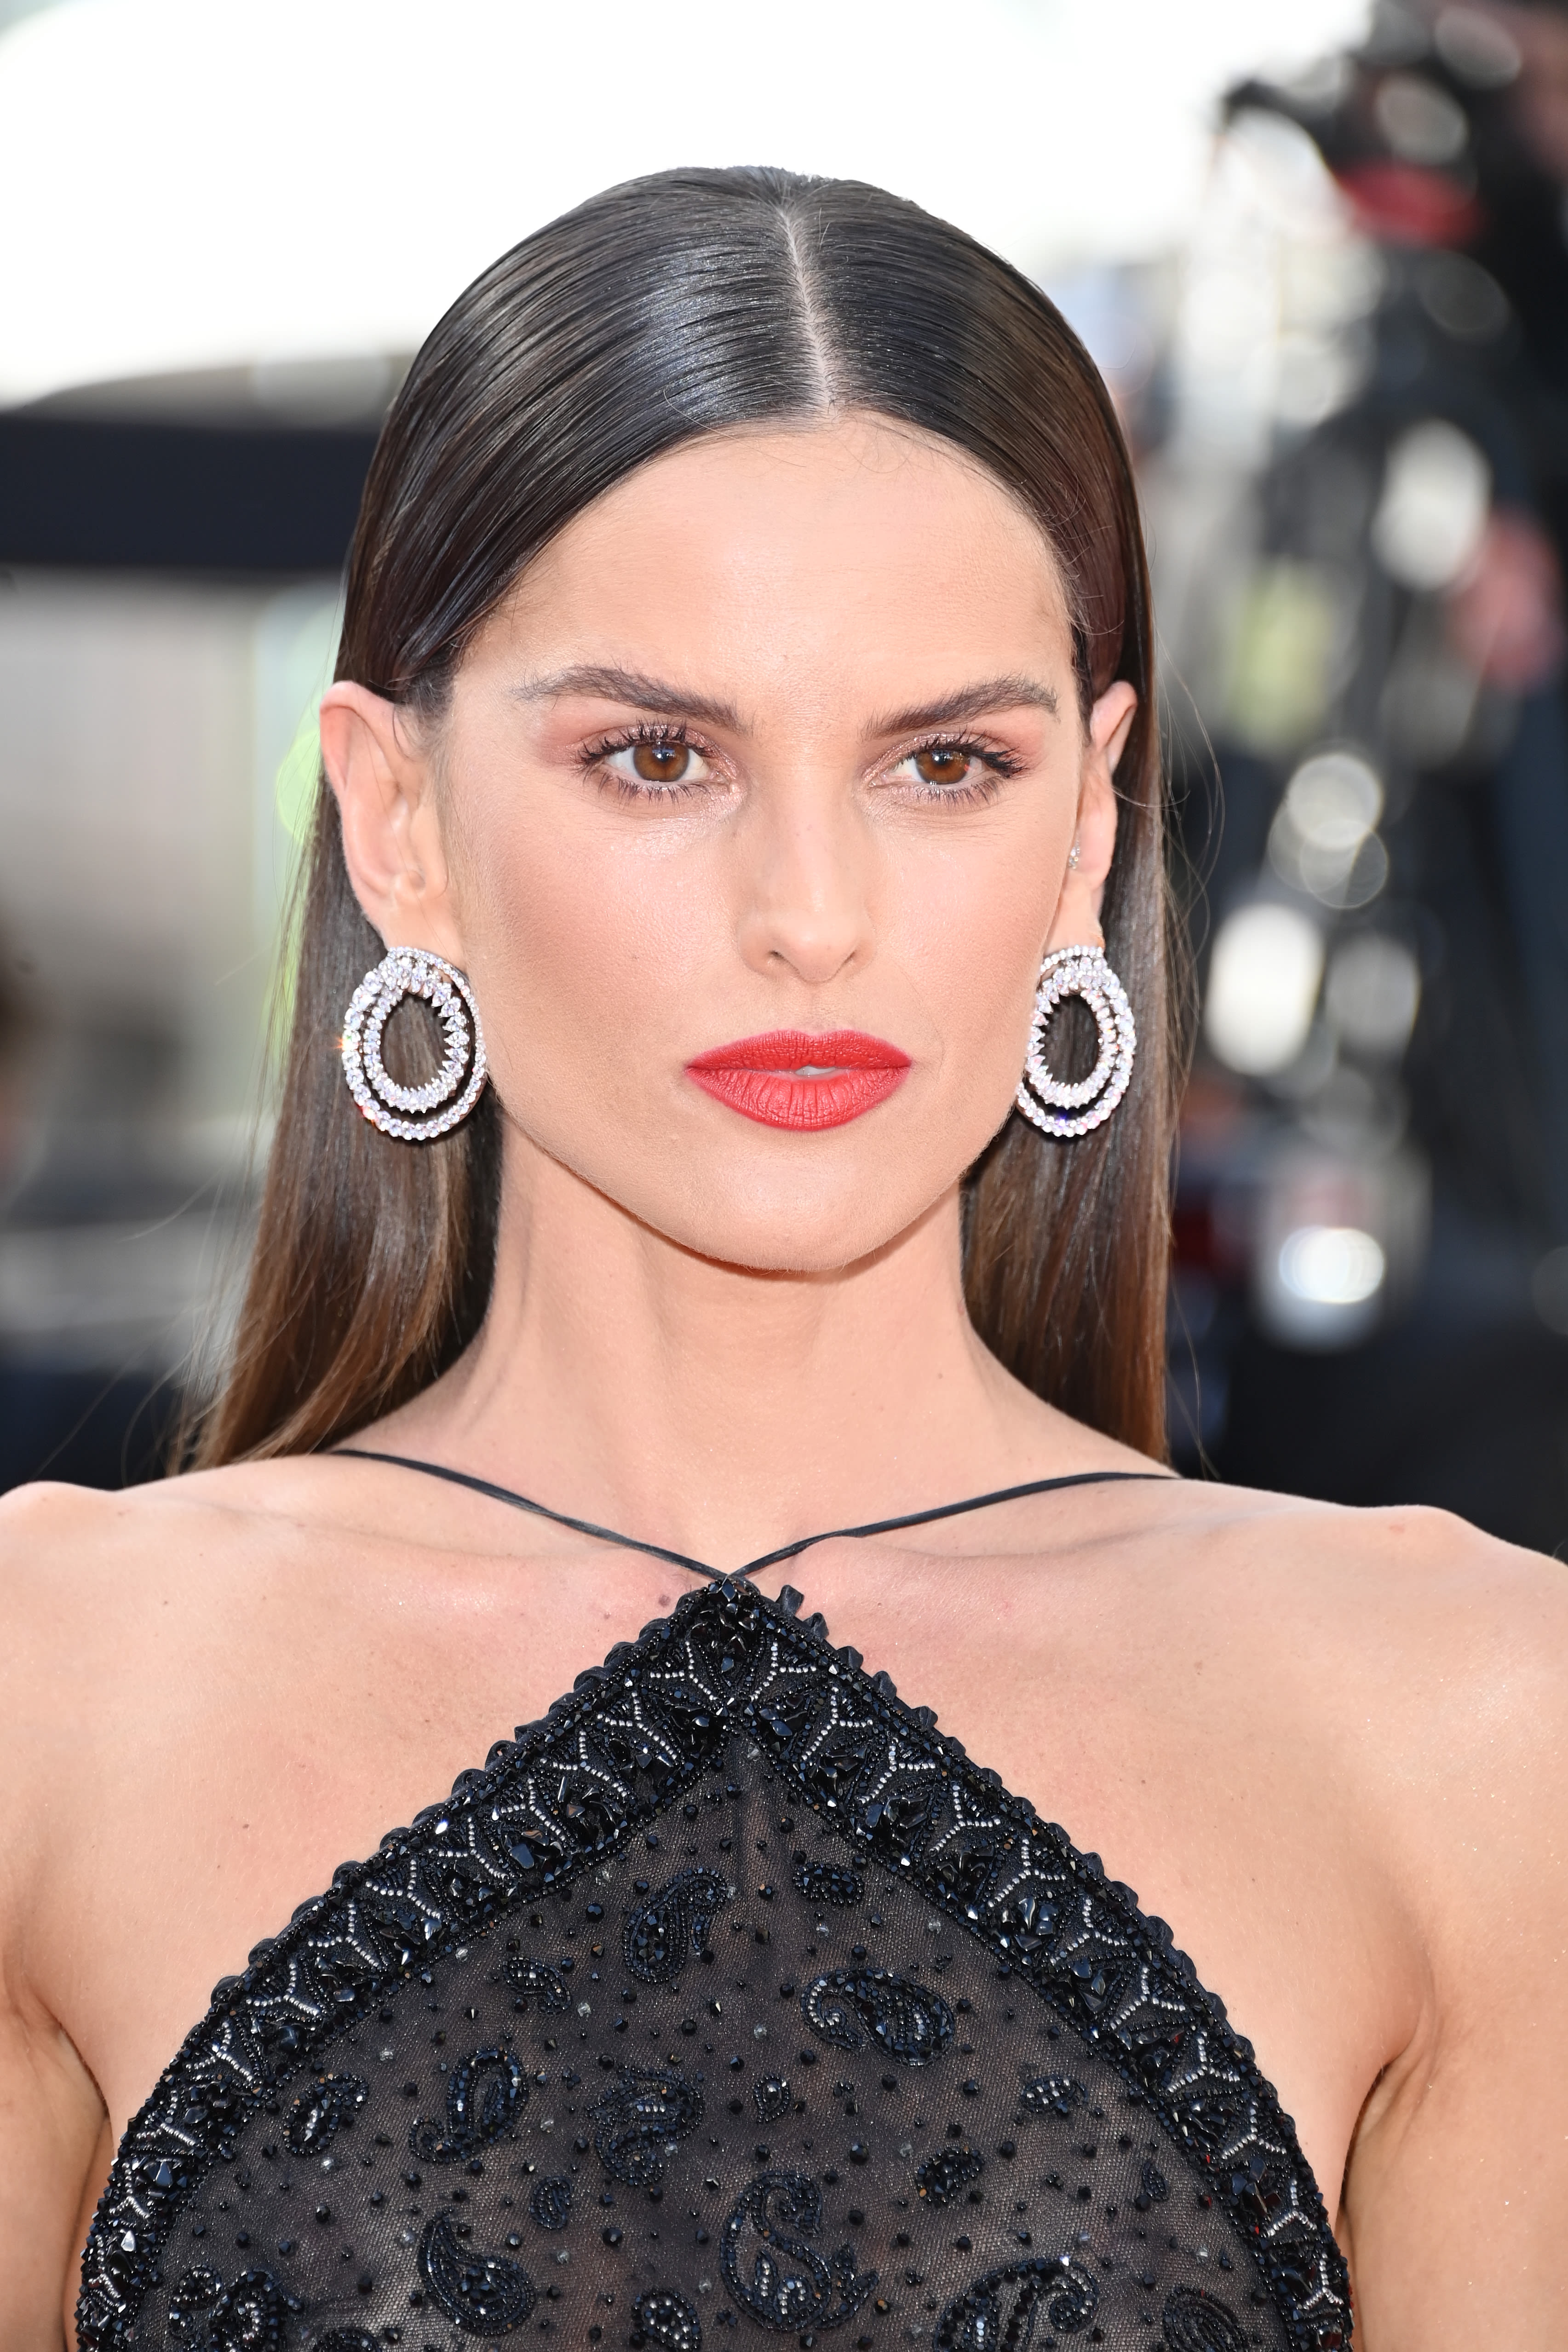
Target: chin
791, 1236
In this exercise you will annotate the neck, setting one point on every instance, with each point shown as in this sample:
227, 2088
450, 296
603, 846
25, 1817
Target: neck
715, 1409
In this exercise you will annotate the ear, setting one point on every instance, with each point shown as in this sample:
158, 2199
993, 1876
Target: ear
383, 780
1077, 920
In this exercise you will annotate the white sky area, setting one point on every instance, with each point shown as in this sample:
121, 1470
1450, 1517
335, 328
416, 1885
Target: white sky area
210, 183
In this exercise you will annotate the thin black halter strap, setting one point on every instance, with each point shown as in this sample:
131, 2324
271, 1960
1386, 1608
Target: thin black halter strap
768, 1558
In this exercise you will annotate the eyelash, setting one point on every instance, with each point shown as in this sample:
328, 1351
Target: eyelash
1001, 764
627, 788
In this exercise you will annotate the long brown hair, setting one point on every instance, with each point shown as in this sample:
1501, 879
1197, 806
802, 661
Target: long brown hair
663, 310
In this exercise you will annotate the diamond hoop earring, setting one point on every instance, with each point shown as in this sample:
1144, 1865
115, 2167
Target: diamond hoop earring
414, 1113
1044, 1098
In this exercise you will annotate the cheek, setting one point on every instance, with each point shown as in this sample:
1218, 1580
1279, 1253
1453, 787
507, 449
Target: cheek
576, 951
973, 936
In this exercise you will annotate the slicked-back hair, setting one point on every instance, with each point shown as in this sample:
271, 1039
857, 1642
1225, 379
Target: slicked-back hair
675, 306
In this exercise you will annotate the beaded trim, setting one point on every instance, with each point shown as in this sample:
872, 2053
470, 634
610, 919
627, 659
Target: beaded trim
728, 1662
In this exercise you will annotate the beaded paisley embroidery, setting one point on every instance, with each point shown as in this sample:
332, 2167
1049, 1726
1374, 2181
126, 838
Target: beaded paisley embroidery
731, 1997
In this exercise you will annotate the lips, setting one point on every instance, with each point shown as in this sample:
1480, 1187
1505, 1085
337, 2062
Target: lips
802, 1078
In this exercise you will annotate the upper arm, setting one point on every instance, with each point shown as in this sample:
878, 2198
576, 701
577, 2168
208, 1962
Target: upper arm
1458, 2184
53, 2125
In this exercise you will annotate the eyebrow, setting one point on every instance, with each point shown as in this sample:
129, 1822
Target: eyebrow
971, 702
614, 685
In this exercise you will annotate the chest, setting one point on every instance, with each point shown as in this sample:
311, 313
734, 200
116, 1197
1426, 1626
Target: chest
258, 1769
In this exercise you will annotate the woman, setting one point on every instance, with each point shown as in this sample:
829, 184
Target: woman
744, 703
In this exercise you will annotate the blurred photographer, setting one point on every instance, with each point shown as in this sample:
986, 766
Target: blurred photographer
1374, 1197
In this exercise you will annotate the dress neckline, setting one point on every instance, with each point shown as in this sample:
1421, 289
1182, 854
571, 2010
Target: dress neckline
766, 1559
1176, 2186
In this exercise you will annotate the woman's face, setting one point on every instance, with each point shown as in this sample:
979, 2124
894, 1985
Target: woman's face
780, 736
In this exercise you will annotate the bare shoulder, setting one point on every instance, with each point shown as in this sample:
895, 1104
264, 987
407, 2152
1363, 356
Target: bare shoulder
1424, 1667
76, 1570
1409, 1570
101, 1594
1420, 1664
65, 1550
63, 1520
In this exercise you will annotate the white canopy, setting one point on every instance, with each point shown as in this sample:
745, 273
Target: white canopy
201, 184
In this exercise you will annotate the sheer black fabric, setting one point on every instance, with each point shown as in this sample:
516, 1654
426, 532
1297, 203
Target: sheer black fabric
730, 1997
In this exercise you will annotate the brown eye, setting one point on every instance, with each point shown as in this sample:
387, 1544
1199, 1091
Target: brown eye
942, 764
661, 764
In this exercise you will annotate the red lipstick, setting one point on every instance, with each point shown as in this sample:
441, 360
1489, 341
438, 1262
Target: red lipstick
802, 1078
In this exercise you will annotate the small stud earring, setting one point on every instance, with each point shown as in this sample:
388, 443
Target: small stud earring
1072, 854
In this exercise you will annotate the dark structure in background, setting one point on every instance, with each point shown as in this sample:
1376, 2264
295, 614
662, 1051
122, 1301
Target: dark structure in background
95, 493
86, 1427
193, 480
1422, 825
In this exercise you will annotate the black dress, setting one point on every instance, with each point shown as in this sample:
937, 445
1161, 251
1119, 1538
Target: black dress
730, 1997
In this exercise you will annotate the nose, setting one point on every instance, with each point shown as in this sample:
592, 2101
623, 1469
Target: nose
806, 883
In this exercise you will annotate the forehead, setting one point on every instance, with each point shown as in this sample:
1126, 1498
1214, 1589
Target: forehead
796, 550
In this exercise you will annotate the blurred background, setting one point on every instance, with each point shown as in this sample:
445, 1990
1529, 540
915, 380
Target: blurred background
1321, 256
